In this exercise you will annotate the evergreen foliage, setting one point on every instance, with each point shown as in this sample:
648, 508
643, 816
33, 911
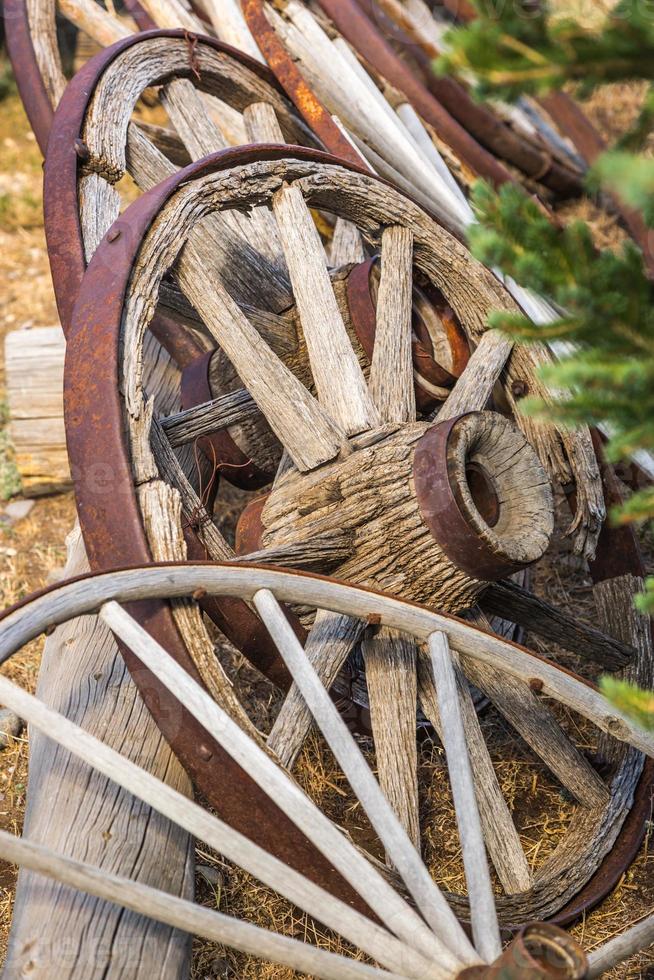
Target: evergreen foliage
605, 298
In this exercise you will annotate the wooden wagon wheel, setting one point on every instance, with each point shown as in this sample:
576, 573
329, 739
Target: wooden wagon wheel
112, 315
401, 941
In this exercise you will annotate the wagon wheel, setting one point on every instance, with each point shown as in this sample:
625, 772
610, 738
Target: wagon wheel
336, 462
400, 940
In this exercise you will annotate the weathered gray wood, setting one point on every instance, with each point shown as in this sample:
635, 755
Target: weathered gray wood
34, 370
58, 933
508, 600
534, 721
191, 423
392, 547
43, 32
199, 822
180, 914
475, 386
485, 927
328, 646
391, 372
619, 949
390, 660
329, 839
68, 600
346, 244
500, 834
426, 894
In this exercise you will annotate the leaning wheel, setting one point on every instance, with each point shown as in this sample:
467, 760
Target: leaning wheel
400, 940
366, 487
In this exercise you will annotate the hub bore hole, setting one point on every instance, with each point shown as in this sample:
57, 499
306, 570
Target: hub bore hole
482, 491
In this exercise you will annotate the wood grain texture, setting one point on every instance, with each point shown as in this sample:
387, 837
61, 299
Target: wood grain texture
330, 641
335, 367
534, 614
500, 835
391, 372
34, 371
185, 915
428, 898
57, 932
390, 660
196, 820
483, 915
619, 949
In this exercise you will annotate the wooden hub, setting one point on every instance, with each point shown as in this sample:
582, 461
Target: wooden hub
429, 512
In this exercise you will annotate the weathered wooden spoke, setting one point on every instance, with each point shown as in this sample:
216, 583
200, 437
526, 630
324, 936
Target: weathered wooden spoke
400, 943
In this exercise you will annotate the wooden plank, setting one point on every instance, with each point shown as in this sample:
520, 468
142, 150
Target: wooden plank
390, 660
199, 822
500, 835
191, 423
483, 915
426, 894
391, 371
475, 386
619, 949
34, 371
180, 914
58, 933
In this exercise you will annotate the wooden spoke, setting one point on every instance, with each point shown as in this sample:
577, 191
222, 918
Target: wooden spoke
390, 660
619, 949
203, 825
405, 858
188, 113
370, 884
534, 721
508, 600
391, 372
336, 371
500, 835
346, 244
485, 927
475, 386
330, 642
188, 425
182, 914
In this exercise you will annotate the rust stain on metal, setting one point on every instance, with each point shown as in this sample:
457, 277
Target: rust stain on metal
540, 951
294, 83
26, 70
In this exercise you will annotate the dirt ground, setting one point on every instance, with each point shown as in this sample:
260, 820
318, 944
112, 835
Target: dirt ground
33, 550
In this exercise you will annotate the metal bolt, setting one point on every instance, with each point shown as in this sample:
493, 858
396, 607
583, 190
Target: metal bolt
536, 684
199, 594
519, 388
81, 149
205, 752
113, 234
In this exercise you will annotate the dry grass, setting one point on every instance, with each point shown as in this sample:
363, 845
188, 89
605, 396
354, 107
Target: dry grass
33, 548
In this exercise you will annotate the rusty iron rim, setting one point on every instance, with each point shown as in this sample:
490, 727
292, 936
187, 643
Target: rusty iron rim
27, 73
295, 85
60, 200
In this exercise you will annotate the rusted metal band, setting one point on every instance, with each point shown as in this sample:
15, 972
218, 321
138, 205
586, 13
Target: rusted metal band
539, 951
219, 448
27, 73
295, 85
441, 513
357, 28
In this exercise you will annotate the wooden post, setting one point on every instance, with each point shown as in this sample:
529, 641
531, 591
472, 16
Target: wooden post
34, 366
59, 933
